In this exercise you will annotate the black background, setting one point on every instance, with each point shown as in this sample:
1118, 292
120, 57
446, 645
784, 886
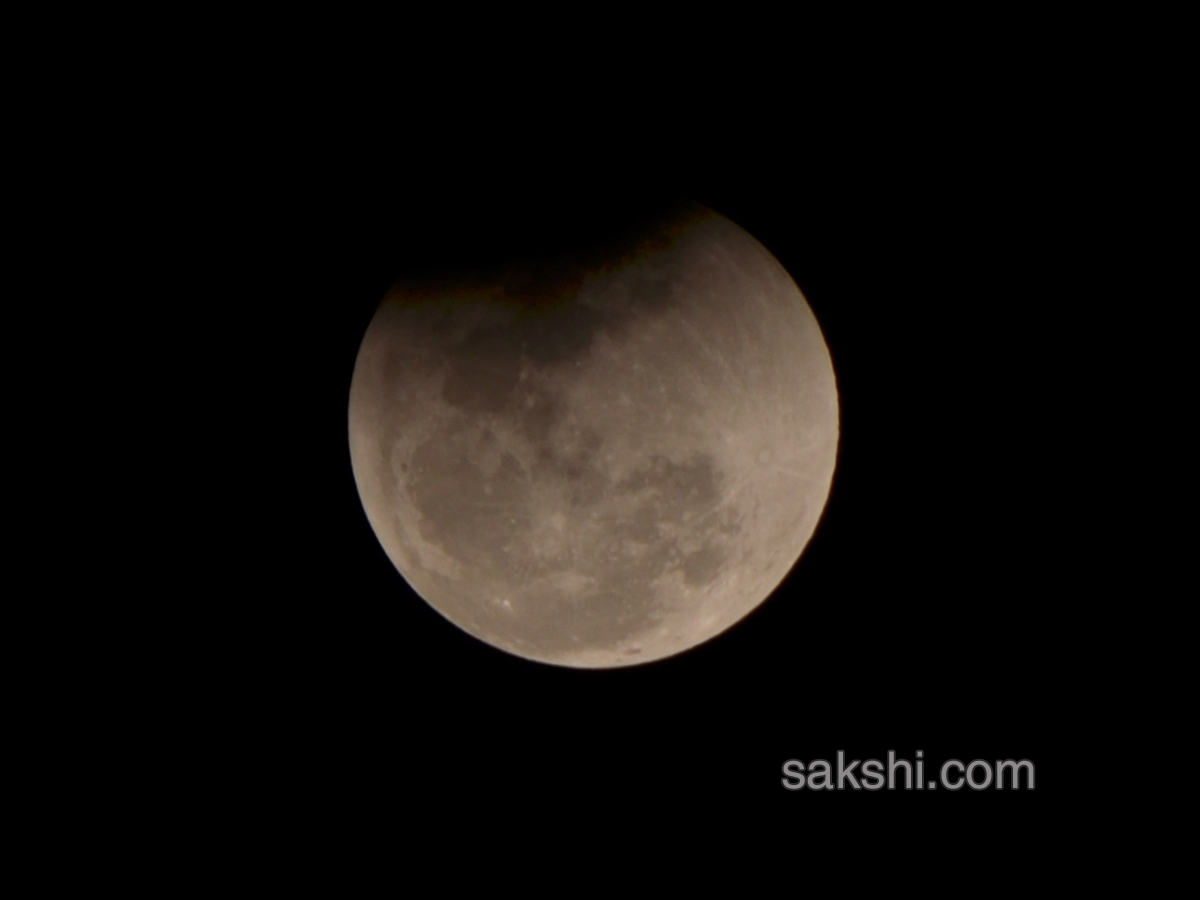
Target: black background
926, 613
966, 207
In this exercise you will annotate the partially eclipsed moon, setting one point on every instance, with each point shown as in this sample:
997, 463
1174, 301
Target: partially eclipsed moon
600, 459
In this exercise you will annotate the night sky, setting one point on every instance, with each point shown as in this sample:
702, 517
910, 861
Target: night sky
924, 614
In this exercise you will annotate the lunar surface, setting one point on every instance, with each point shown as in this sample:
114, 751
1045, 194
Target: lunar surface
603, 458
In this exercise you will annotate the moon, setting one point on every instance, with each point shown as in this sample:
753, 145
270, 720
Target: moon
600, 456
